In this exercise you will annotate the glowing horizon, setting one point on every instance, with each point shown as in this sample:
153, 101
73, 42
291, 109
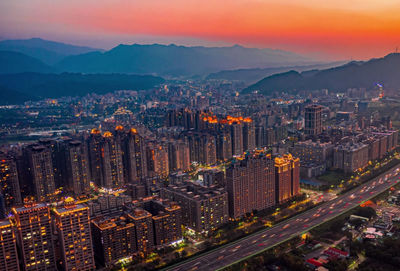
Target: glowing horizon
335, 30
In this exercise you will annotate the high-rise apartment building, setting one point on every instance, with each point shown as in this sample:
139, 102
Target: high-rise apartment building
237, 137
9, 182
41, 171
251, 184
249, 134
350, 156
135, 157
313, 120
166, 216
95, 156
8, 249
224, 145
157, 160
144, 230
34, 237
178, 156
287, 177
203, 208
111, 158
72, 225
77, 168
113, 238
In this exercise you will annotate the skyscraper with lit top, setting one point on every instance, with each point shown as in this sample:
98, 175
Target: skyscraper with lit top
112, 165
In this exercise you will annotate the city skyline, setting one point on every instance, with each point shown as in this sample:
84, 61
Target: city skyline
199, 135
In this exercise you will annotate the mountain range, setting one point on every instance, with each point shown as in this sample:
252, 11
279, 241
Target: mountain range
173, 60
361, 74
163, 60
49, 52
14, 62
253, 75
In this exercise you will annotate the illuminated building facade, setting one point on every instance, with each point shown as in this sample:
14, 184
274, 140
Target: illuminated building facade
287, 177
351, 156
224, 146
74, 237
34, 237
8, 247
9, 182
203, 148
41, 171
112, 165
95, 156
249, 134
113, 238
250, 184
157, 160
144, 230
135, 157
166, 218
77, 168
203, 208
237, 137
178, 156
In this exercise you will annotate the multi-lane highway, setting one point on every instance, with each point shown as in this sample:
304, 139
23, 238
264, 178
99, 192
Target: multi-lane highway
253, 244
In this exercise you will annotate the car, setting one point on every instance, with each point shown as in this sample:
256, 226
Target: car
261, 244
220, 257
286, 226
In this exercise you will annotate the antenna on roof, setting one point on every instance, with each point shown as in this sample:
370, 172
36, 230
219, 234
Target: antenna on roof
396, 49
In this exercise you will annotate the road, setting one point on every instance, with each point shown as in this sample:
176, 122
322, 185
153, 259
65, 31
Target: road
255, 243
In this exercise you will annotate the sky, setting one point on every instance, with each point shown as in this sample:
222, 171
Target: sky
339, 29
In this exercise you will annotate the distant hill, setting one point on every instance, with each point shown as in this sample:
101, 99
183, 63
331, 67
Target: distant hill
50, 52
8, 96
385, 71
254, 75
38, 85
173, 60
13, 62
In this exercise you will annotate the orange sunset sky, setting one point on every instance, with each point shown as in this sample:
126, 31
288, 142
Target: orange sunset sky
339, 29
